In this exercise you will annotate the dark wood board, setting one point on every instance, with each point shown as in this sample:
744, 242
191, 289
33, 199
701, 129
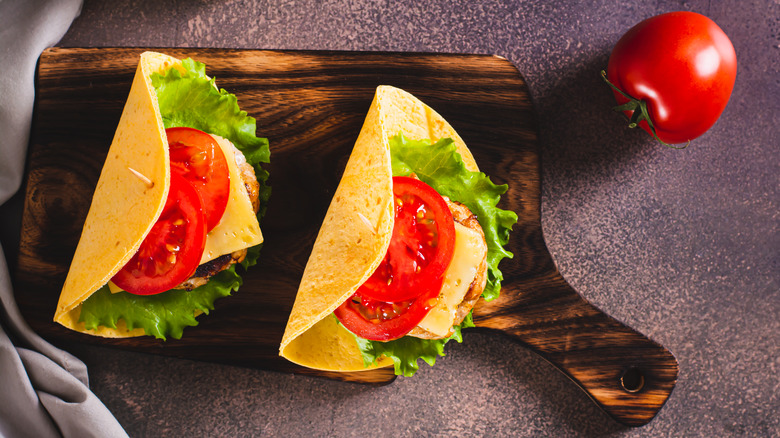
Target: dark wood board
311, 105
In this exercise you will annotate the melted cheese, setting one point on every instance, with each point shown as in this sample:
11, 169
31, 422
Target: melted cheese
238, 228
469, 251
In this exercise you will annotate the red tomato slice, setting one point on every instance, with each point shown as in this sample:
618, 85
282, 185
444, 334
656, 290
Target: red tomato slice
421, 246
382, 321
406, 285
197, 157
171, 251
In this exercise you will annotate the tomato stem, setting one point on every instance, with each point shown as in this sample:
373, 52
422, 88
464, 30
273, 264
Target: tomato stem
639, 112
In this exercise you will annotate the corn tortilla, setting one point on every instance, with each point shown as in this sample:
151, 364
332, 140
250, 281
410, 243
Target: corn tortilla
128, 200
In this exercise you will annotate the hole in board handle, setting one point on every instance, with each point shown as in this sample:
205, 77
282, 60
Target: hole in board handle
632, 380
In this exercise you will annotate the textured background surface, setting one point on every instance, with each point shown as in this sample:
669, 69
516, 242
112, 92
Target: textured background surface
682, 245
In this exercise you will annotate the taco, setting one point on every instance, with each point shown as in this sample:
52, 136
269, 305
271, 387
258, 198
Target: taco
412, 239
176, 208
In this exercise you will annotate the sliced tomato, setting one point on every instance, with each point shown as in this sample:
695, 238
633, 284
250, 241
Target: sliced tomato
171, 251
197, 157
421, 246
383, 321
406, 285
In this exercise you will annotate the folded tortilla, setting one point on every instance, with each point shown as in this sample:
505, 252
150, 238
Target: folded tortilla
356, 232
129, 198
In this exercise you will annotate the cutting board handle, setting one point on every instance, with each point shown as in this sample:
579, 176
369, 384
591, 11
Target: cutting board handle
624, 372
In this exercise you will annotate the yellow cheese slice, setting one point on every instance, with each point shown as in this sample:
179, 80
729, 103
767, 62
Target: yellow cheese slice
469, 251
113, 288
238, 228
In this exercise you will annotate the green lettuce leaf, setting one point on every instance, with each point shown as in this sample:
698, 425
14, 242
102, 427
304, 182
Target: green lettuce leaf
161, 315
440, 166
191, 100
407, 350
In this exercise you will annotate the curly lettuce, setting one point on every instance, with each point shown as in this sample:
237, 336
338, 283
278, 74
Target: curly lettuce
161, 315
187, 99
406, 351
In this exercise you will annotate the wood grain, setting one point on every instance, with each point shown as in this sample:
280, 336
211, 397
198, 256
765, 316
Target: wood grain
311, 106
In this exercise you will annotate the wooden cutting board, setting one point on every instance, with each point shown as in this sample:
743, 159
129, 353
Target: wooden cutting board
311, 105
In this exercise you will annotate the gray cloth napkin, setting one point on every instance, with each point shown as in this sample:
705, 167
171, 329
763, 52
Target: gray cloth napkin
44, 391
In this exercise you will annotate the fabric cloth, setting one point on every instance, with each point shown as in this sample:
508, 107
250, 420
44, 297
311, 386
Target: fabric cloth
44, 391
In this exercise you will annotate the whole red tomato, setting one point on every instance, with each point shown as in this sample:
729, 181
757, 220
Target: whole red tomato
676, 71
